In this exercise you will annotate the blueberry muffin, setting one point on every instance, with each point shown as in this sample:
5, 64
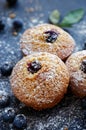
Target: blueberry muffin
47, 38
76, 64
40, 80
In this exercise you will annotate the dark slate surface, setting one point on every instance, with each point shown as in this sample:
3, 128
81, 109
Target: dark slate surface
68, 114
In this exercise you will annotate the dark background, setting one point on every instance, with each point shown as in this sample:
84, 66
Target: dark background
68, 114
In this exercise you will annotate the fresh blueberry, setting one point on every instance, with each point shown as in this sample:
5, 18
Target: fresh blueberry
11, 2
17, 25
4, 99
8, 114
20, 121
83, 103
83, 66
6, 68
2, 25
34, 66
51, 36
84, 48
84, 114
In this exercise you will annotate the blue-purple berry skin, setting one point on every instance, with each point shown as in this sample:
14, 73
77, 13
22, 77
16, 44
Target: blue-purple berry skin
17, 25
83, 103
84, 47
6, 69
2, 25
20, 121
12, 2
8, 114
34, 67
51, 36
84, 114
4, 99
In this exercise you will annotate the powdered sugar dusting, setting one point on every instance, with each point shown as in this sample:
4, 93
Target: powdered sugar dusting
51, 80
33, 40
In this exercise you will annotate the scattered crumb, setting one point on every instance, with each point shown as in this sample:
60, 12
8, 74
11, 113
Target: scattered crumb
12, 15
15, 33
34, 19
29, 9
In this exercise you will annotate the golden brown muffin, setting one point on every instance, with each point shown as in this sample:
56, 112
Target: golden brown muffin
76, 64
40, 80
47, 38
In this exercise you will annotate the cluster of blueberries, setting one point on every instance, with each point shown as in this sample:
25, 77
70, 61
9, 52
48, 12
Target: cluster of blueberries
19, 120
17, 25
9, 114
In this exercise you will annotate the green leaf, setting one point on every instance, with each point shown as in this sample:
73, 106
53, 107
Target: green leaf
72, 17
54, 17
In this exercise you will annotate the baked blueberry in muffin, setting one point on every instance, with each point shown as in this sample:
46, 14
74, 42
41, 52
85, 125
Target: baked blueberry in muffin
47, 38
40, 80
